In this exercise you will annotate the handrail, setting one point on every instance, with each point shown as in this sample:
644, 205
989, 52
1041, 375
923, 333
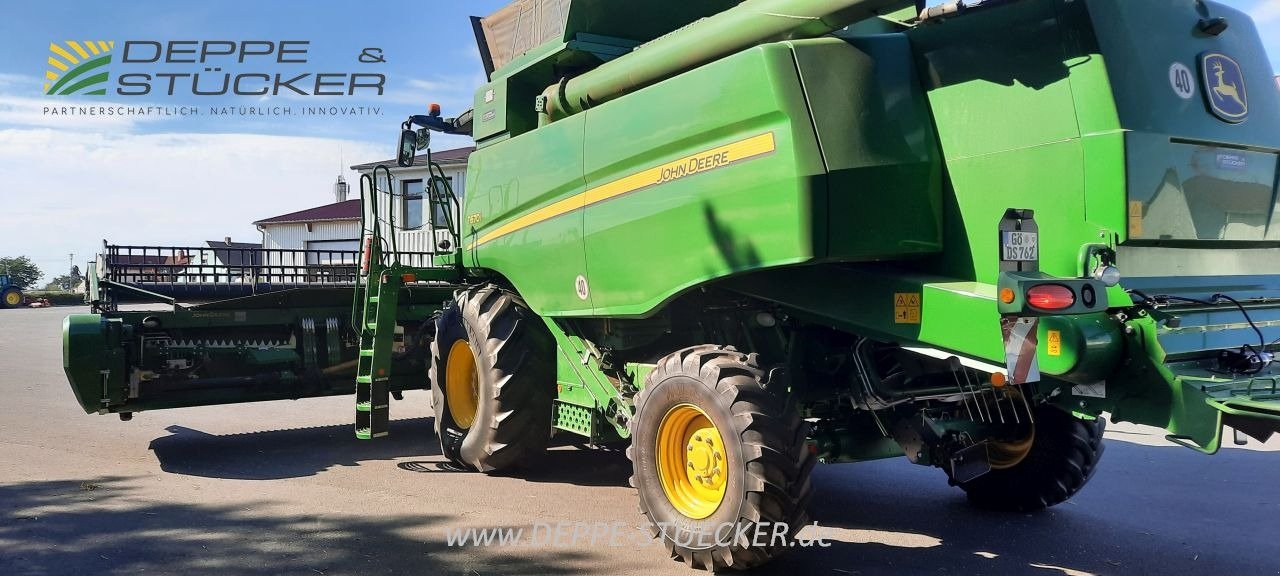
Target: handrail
218, 266
450, 202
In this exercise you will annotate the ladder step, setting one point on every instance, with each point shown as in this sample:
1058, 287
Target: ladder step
372, 325
366, 353
364, 379
366, 434
363, 406
374, 299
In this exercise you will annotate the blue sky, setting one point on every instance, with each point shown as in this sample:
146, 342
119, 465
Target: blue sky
71, 182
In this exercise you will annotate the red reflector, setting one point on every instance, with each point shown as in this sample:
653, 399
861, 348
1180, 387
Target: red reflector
365, 254
1050, 297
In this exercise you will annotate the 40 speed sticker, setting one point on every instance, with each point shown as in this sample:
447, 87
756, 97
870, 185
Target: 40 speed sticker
1182, 81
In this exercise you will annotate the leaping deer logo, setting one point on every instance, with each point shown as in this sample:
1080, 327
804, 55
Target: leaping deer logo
1225, 89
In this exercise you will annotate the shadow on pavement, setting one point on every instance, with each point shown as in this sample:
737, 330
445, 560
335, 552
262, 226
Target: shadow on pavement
98, 526
559, 465
292, 453
580, 467
1148, 510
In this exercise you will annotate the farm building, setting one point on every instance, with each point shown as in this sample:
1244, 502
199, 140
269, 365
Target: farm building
411, 206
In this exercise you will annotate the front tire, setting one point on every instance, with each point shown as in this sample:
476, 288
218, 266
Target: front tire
712, 448
492, 380
12, 298
1063, 456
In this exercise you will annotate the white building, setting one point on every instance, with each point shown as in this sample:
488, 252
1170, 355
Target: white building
330, 227
409, 201
336, 227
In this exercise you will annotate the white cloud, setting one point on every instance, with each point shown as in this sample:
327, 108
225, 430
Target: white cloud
56, 112
454, 93
19, 81
66, 191
1266, 11
53, 113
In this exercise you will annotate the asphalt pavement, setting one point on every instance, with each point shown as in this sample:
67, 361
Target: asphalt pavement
285, 488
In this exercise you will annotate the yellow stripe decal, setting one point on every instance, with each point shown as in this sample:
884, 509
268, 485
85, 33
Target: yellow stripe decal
56, 49
89, 44
57, 64
78, 49
50, 75
712, 159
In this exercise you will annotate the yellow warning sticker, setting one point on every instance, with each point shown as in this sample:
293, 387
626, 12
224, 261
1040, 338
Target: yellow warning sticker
1135, 219
1055, 342
906, 308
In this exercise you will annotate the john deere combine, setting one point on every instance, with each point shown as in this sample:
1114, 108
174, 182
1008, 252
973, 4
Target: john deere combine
748, 237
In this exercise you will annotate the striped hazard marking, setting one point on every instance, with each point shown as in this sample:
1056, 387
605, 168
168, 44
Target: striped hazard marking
1020, 348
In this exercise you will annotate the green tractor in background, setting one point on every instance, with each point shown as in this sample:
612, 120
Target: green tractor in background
10, 293
749, 237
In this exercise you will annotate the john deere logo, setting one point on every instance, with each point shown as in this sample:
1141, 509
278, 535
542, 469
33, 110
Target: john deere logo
78, 67
1224, 87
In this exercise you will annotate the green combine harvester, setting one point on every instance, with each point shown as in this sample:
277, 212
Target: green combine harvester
748, 237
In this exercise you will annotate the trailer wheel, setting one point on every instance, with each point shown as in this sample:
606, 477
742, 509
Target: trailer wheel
493, 380
1063, 456
717, 459
12, 298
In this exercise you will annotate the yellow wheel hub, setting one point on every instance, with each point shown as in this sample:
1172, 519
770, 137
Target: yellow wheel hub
692, 461
1007, 454
462, 384
13, 299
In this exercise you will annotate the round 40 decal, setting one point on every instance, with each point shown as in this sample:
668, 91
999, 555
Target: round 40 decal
1182, 81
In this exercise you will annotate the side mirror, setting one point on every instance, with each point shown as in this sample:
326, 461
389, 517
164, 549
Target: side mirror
424, 138
408, 148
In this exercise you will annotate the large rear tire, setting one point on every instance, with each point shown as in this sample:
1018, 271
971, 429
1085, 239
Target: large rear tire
11, 298
493, 380
712, 448
1063, 456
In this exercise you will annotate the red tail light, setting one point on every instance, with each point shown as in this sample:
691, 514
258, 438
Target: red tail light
1051, 297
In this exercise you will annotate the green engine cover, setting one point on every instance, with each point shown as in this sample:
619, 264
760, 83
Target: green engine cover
735, 178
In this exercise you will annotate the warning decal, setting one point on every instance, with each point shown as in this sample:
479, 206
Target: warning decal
1020, 349
906, 308
1054, 344
1135, 219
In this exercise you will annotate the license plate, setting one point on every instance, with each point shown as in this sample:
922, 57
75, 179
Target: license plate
1019, 246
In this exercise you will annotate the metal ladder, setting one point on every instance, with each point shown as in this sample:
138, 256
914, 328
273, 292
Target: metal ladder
379, 296
378, 284
377, 336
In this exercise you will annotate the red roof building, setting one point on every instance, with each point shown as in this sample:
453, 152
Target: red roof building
347, 210
336, 226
